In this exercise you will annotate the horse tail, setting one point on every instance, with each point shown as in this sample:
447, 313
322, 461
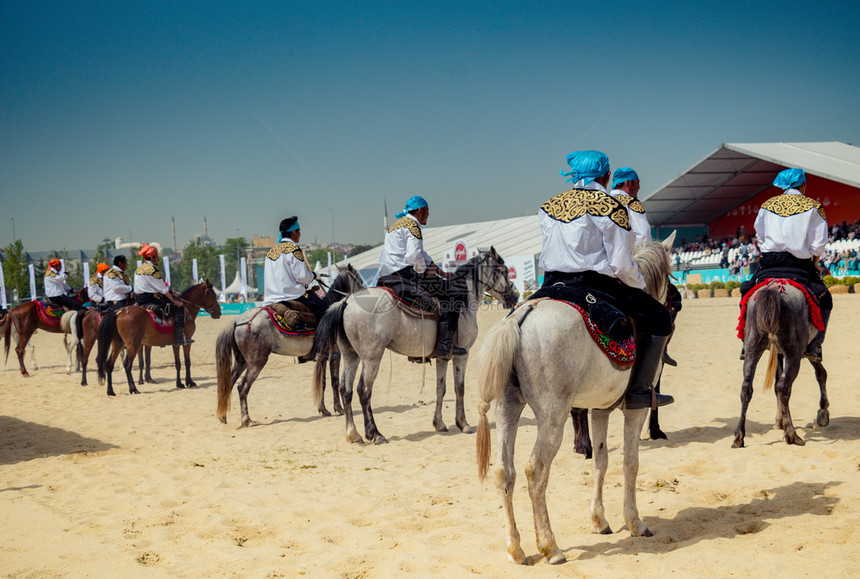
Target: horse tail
107, 332
224, 348
497, 359
7, 334
325, 342
79, 328
768, 310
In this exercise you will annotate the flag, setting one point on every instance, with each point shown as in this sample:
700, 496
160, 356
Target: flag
32, 269
194, 270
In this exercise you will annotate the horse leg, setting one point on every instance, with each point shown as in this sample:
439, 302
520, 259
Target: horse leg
323, 411
20, 345
186, 350
140, 363
823, 418
783, 394
581, 437
116, 348
460, 391
654, 430
508, 410
131, 354
600, 426
88, 346
69, 345
441, 372
254, 368
633, 421
334, 371
750, 364
147, 356
369, 369
178, 367
550, 418
350, 366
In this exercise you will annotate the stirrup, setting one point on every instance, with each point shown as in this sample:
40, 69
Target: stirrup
813, 353
667, 359
639, 400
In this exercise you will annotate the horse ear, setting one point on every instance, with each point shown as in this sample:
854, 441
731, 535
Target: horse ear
493, 251
669, 241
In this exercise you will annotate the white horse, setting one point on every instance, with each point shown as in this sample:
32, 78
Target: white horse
543, 355
367, 323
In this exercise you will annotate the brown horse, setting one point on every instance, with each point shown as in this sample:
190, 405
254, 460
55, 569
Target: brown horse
85, 343
23, 321
132, 327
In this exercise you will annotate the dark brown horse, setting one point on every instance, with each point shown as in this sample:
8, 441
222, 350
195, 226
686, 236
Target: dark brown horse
132, 327
23, 321
85, 343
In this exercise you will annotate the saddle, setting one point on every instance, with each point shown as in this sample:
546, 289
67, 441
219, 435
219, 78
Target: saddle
410, 306
163, 325
811, 302
48, 312
609, 327
293, 318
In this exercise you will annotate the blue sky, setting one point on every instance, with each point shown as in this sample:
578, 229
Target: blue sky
116, 115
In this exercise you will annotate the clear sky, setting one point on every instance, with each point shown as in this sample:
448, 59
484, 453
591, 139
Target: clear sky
116, 115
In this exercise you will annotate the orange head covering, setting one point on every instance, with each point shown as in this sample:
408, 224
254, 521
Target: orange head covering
102, 267
148, 251
54, 263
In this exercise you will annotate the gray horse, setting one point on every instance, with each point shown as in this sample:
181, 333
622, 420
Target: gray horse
543, 355
252, 337
777, 318
367, 323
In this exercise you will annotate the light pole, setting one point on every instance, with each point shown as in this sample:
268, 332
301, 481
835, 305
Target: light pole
12, 219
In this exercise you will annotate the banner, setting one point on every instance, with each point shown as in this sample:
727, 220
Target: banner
330, 276
32, 269
2, 288
139, 263
166, 269
242, 277
194, 276
86, 274
223, 297
63, 266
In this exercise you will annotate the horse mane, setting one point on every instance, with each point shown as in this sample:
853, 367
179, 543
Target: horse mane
189, 288
654, 265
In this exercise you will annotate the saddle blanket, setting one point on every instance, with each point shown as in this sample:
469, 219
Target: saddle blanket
290, 322
162, 325
411, 305
49, 313
811, 303
608, 326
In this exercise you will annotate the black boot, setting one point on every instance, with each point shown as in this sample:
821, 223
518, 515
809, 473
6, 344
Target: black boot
649, 354
813, 350
667, 359
445, 347
179, 338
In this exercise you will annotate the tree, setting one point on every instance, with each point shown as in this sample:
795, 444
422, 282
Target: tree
234, 248
208, 265
101, 253
15, 272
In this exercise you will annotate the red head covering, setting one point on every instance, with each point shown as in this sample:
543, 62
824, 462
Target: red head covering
55, 263
148, 251
102, 267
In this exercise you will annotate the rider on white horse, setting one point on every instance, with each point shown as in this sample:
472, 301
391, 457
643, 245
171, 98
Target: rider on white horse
792, 232
625, 188
56, 286
151, 289
287, 274
588, 242
117, 285
403, 264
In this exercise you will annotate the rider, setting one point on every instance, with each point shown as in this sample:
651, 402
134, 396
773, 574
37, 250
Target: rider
56, 287
117, 285
625, 188
792, 230
404, 264
150, 288
95, 287
588, 242
287, 274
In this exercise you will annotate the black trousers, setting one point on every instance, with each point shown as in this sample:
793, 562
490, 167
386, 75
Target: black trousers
781, 264
650, 316
421, 290
112, 305
314, 303
163, 307
65, 301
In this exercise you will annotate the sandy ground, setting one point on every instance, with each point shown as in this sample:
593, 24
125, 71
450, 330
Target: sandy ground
153, 485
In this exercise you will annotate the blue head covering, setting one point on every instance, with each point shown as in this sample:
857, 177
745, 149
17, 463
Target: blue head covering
586, 165
287, 226
622, 175
790, 179
415, 202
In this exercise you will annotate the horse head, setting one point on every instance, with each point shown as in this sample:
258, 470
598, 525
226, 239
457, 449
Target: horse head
203, 296
655, 266
493, 274
348, 281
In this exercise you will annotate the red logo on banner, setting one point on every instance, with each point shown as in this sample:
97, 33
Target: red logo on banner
512, 273
460, 252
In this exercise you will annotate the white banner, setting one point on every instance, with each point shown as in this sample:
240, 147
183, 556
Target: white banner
139, 263
166, 269
2, 288
330, 277
32, 269
62, 265
242, 277
194, 277
521, 271
223, 297
86, 274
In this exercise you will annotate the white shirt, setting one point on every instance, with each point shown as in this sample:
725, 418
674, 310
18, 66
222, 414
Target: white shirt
792, 222
404, 246
55, 283
286, 273
115, 285
94, 289
148, 279
636, 211
585, 229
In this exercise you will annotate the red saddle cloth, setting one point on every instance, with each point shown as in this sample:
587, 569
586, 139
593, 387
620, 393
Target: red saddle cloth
297, 328
48, 313
811, 303
161, 325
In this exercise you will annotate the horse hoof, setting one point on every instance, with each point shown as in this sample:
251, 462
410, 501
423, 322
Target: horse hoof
222, 419
466, 429
441, 428
659, 435
738, 444
324, 412
607, 530
519, 558
379, 439
180, 385
191, 384
557, 558
646, 533
823, 418
111, 394
135, 391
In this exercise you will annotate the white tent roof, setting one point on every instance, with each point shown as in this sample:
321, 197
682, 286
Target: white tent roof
235, 288
510, 237
736, 172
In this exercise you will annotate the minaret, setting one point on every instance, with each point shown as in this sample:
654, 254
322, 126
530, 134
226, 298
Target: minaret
173, 232
205, 228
